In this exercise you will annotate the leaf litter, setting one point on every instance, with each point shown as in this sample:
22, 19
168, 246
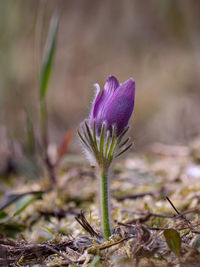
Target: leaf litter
154, 202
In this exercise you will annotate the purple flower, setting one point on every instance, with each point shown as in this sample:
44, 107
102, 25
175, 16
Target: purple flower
114, 105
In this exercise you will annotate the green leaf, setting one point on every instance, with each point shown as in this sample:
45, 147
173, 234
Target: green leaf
49, 55
95, 262
173, 240
23, 203
9, 199
12, 197
3, 214
11, 229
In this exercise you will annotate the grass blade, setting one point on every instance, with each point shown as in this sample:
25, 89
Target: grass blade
24, 202
49, 55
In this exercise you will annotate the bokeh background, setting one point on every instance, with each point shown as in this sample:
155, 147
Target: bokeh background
156, 41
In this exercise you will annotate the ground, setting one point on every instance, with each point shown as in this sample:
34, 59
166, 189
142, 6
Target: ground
154, 205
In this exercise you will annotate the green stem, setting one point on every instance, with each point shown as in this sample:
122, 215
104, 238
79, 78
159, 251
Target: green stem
104, 198
43, 124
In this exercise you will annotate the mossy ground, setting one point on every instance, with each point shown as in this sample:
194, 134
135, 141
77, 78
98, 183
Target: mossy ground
40, 229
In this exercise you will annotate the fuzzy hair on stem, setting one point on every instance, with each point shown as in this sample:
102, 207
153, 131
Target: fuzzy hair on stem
101, 150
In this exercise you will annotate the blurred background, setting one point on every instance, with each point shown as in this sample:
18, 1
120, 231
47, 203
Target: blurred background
157, 42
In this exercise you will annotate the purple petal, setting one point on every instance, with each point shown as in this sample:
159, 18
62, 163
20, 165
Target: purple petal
111, 84
95, 104
114, 105
119, 107
101, 98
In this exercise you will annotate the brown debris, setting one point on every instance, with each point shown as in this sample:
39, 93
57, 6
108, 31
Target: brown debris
85, 224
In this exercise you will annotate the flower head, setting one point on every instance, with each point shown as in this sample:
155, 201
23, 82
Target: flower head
114, 105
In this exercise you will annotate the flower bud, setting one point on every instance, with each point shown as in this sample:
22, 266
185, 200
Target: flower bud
114, 105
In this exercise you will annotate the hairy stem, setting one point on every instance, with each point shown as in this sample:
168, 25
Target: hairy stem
104, 199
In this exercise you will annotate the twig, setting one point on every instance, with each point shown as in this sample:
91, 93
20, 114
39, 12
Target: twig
60, 254
146, 217
115, 243
143, 238
164, 228
195, 210
85, 224
47, 162
67, 264
50, 168
159, 193
172, 205
142, 219
178, 229
146, 212
190, 227
59, 213
180, 214
32, 252
134, 196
